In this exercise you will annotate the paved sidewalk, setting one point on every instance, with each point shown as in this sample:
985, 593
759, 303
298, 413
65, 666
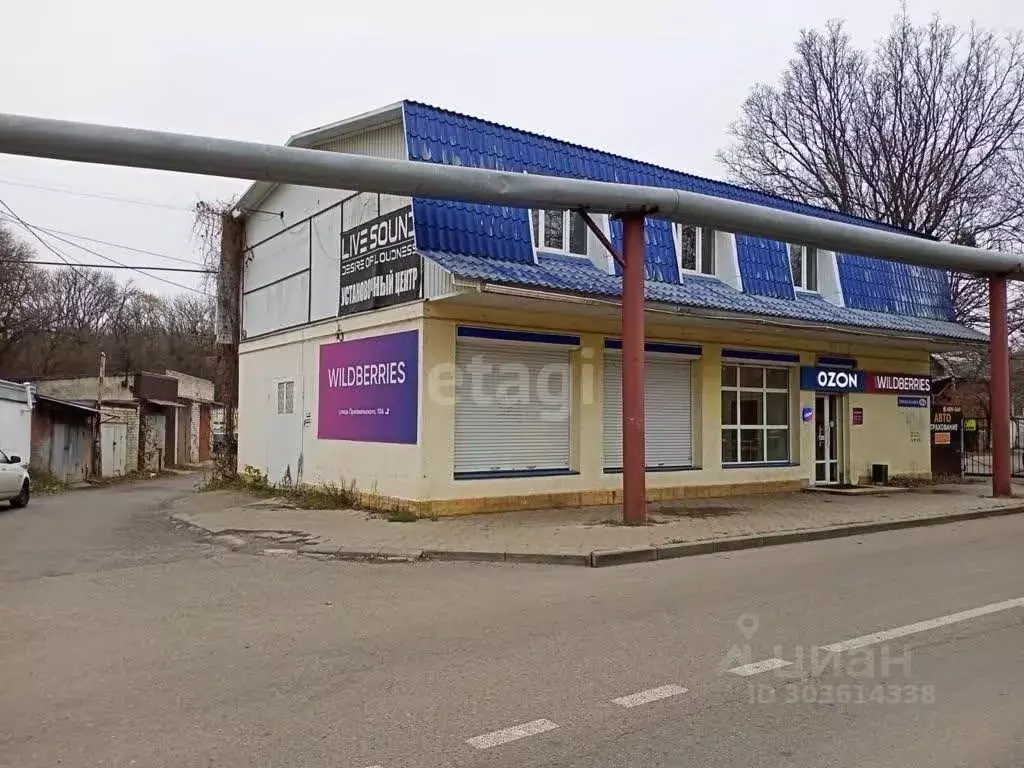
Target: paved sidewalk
585, 535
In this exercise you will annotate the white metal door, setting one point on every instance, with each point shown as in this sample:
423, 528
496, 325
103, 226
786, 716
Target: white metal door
114, 437
284, 448
16, 428
513, 407
668, 411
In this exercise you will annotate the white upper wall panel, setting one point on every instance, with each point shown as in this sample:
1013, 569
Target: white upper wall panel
326, 264
278, 306
280, 256
298, 203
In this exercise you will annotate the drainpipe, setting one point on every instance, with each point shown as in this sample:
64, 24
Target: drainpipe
999, 386
634, 464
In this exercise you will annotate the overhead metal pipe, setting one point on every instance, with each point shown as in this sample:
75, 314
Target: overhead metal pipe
109, 145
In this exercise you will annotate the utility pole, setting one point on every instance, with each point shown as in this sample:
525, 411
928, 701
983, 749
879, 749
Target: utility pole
97, 431
229, 287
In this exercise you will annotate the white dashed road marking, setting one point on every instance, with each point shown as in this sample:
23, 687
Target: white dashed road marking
922, 626
496, 738
279, 551
760, 666
646, 697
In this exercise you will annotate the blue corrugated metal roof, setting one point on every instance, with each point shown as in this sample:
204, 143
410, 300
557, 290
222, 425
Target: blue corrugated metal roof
501, 233
579, 276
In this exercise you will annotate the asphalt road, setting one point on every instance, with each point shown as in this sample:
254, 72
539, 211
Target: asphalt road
128, 641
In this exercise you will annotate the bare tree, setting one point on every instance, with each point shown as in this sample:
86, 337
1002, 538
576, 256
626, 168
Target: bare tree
18, 292
925, 132
57, 321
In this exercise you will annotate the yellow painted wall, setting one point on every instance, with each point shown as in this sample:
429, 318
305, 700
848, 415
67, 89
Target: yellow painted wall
890, 435
425, 471
883, 438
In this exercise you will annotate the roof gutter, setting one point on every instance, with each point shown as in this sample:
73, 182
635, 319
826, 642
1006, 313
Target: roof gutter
130, 147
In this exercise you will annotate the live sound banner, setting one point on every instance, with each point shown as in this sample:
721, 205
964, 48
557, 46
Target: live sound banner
379, 264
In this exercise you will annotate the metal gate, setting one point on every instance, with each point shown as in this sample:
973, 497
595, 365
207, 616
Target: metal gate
67, 451
977, 446
115, 443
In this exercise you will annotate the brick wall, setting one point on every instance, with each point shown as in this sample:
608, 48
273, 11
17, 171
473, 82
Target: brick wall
84, 388
129, 417
193, 387
152, 437
193, 435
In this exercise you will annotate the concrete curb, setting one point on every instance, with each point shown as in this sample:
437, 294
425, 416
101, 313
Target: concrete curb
625, 556
756, 541
536, 558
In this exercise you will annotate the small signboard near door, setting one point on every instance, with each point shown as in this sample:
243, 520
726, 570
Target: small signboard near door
947, 443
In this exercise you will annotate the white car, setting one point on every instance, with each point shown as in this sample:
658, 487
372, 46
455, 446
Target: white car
15, 485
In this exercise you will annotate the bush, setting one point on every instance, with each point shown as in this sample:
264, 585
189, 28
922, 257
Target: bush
252, 480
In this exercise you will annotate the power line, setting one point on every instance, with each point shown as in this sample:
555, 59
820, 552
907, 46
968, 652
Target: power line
140, 270
51, 231
38, 237
111, 266
97, 195
65, 259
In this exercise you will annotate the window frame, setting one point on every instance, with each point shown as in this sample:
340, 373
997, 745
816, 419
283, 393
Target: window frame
764, 427
807, 253
286, 397
538, 216
705, 235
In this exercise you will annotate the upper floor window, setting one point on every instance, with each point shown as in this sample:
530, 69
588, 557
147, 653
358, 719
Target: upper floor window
696, 248
803, 265
559, 231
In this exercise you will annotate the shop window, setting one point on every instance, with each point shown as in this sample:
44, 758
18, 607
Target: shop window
755, 414
563, 231
695, 247
285, 397
803, 266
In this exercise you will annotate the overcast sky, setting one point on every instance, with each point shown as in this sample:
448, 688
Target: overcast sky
658, 81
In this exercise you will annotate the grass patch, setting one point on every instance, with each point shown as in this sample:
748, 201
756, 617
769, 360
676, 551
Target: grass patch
907, 481
45, 483
327, 495
400, 515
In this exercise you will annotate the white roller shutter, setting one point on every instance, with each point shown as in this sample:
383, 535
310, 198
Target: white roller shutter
667, 411
520, 416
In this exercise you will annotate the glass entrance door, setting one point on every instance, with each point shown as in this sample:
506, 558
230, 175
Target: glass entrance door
826, 439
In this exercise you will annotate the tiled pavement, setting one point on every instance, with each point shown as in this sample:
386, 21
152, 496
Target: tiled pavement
578, 531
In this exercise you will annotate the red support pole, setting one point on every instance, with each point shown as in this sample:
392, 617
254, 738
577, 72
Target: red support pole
999, 385
634, 464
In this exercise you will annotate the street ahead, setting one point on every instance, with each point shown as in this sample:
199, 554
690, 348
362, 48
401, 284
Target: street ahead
127, 641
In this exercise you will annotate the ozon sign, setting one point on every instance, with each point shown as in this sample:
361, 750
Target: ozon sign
841, 380
832, 379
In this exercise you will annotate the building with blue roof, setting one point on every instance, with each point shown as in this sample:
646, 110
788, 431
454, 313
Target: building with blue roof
455, 356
